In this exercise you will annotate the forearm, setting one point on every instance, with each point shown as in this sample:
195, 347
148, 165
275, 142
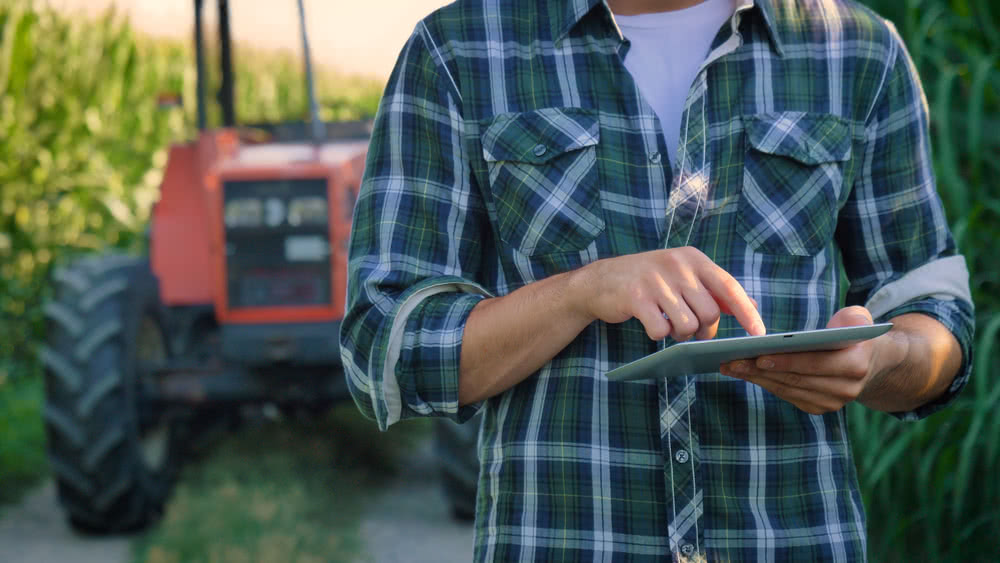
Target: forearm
919, 359
508, 338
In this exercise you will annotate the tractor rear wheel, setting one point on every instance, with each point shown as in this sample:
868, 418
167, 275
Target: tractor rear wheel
114, 455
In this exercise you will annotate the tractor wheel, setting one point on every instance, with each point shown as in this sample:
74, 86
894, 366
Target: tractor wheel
456, 449
114, 455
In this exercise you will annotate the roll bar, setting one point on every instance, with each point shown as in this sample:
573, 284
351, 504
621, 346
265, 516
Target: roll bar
226, 94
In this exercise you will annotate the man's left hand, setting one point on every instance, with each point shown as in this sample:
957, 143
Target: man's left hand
818, 382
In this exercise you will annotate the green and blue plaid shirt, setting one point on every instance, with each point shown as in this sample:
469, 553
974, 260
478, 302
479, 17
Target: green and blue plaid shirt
512, 144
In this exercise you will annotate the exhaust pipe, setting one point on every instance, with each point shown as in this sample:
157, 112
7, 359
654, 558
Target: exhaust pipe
318, 130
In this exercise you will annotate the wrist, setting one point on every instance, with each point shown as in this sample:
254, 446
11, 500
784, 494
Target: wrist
892, 350
578, 286
889, 355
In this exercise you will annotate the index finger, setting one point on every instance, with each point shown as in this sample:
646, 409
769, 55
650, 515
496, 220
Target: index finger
729, 292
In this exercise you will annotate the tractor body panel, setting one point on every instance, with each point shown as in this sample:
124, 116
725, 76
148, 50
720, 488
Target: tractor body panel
179, 231
268, 269
260, 232
181, 221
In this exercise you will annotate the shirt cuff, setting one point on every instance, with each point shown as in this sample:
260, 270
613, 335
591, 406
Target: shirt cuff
943, 279
415, 367
957, 316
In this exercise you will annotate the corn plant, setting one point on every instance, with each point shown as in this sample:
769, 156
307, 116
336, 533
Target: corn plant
74, 164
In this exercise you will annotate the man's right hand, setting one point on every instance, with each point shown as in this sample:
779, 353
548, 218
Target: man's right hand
508, 338
677, 292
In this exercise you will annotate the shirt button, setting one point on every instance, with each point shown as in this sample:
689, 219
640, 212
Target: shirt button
540, 149
681, 456
687, 549
654, 157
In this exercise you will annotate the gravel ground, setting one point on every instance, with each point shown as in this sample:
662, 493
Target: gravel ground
36, 531
409, 522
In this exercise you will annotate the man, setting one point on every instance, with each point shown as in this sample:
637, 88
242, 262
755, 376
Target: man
557, 187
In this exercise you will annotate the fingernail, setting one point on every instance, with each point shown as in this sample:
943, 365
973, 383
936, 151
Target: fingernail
766, 363
740, 367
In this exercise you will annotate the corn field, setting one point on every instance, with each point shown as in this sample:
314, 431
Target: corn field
82, 149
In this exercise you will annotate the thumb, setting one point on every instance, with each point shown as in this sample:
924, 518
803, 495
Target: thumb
850, 316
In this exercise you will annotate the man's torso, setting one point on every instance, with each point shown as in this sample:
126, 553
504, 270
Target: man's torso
572, 167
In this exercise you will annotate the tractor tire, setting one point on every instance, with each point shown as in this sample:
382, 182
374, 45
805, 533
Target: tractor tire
458, 460
114, 457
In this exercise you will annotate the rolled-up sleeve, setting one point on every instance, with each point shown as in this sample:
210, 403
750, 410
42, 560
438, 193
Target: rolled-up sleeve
898, 252
415, 248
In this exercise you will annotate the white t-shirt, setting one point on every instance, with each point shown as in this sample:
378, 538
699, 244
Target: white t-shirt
667, 49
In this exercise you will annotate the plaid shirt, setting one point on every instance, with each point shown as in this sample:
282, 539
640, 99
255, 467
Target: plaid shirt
512, 144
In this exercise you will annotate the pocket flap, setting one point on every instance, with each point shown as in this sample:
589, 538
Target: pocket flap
810, 138
540, 135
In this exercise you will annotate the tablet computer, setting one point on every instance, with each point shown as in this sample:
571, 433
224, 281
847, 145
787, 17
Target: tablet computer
705, 356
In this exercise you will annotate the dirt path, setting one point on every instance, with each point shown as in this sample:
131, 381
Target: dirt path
410, 522
36, 531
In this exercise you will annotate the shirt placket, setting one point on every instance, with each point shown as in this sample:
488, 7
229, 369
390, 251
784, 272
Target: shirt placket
679, 440
677, 395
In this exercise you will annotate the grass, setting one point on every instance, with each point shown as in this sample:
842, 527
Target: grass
22, 436
282, 492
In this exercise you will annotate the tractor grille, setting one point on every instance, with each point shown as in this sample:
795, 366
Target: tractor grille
277, 243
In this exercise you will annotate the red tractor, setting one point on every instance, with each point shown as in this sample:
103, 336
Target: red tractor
239, 301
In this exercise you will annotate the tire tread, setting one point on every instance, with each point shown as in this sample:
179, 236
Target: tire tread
93, 297
93, 453
104, 332
60, 367
64, 425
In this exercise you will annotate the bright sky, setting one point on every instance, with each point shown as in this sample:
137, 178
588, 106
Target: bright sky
357, 36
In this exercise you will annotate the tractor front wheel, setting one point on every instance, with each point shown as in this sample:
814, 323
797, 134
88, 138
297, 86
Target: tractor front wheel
114, 455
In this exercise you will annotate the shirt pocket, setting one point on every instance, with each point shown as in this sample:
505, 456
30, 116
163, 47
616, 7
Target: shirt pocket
542, 168
793, 177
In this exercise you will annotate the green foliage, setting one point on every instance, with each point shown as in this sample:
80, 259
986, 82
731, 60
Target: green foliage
22, 437
932, 488
75, 167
